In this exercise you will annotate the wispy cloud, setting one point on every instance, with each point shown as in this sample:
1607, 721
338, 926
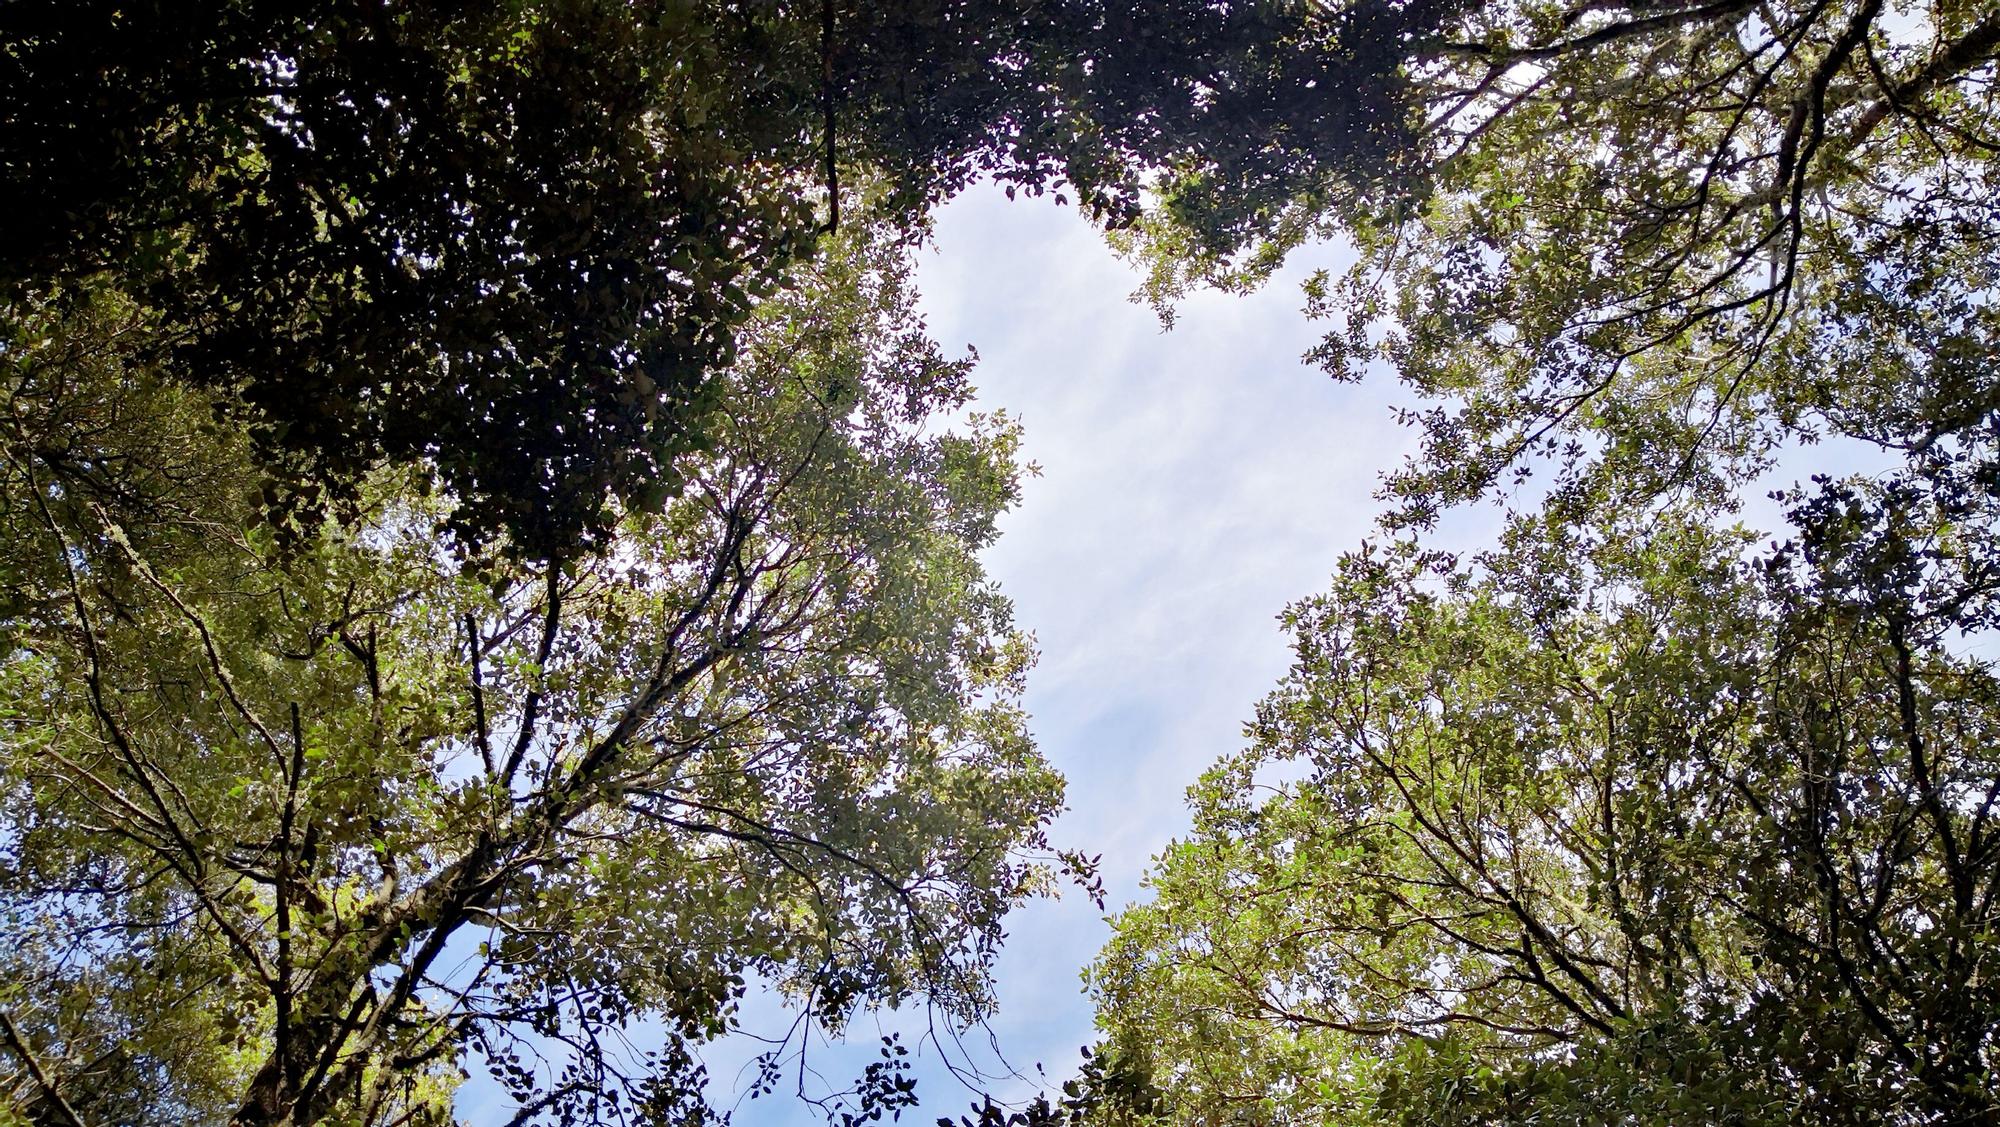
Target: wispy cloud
1193, 483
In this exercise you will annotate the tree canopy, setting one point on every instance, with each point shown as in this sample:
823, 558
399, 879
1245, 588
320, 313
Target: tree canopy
481, 572
1626, 825
1649, 242
293, 837
514, 243
1627, 819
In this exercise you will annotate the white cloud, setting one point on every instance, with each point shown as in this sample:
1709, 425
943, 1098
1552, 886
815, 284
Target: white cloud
1193, 483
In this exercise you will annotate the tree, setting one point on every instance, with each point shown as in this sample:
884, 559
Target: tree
1625, 821
291, 835
1614, 823
1648, 243
1623, 824
513, 244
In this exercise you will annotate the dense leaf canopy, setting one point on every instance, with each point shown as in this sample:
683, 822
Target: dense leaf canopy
514, 242
1623, 827
1627, 820
647, 652
291, 837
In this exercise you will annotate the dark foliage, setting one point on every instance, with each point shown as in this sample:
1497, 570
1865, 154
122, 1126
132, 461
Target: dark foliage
513, 242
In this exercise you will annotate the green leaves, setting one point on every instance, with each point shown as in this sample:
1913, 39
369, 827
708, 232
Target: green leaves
1647, 247
1597, 829
392, 814
1623, 820
515, 246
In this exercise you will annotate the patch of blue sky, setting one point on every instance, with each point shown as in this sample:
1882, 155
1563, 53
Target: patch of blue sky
1192, 484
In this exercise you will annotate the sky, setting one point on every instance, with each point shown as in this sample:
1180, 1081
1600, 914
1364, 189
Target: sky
1192, 483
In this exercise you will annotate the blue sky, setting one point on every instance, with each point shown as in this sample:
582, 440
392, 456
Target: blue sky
1192, 484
